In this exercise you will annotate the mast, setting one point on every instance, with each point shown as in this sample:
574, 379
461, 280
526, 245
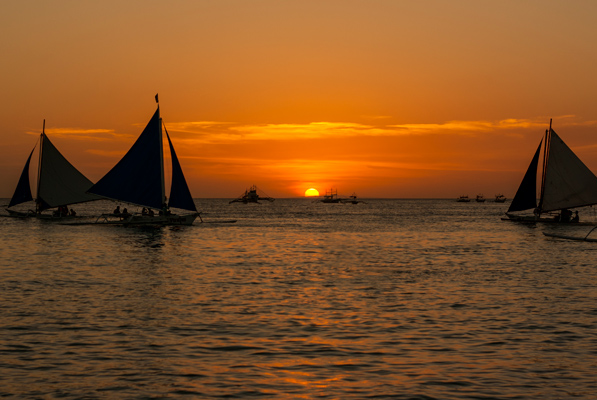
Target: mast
161, 153
546, 147
41, 146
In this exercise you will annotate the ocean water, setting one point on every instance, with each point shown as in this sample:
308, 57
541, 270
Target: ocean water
388, 299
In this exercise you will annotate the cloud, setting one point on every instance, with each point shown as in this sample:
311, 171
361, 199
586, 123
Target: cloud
79, 134
218, 132
221, 132
313, 130
469, 127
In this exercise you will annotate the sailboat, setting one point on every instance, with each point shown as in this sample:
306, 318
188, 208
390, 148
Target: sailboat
566, 182
138, 179
59, 184
331, 196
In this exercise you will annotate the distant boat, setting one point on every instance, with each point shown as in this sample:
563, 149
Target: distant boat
480, 199
138, 179
566, 183
463, 199
500, 198
331, 197
251, 196
352, 199
59, 184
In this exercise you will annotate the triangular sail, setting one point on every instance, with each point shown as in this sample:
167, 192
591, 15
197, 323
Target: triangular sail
568, 181
22, 192
137, 178
60, 183
526, 195
180, 195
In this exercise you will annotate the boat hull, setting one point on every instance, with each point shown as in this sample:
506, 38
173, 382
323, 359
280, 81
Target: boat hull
534, 219
33, 214
138, 220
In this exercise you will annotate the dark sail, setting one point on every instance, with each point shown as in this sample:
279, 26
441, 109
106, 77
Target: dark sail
568, 181
137, 178
60, 183
526, 195
23, 190
180, 195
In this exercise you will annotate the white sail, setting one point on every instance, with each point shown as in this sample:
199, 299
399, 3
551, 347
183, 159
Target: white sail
568, 182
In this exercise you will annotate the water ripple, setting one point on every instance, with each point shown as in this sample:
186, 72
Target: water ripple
393, 300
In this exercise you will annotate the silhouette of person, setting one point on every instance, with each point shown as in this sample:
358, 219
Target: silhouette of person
565, 215
116, 210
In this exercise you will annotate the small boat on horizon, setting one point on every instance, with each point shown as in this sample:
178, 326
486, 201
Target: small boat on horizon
331, 196
251, 196
463, 199
352, 199
480, 199
500, 198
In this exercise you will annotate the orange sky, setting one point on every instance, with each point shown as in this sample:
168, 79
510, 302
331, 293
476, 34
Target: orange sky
385, 98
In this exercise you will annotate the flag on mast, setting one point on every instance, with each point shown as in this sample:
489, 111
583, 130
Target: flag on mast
156, 98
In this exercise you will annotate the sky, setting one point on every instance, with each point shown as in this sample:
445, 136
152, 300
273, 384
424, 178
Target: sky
385, 98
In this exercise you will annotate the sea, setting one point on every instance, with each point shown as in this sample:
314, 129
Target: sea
297, 299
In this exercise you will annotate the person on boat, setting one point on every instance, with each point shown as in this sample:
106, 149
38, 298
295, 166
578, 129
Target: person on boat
165, 210
150, 212
144, 211
565, 215
124, 214
73, 213
116, 210
62, 211
575, 218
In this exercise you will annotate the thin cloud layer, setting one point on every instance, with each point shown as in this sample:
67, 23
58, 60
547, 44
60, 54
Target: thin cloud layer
213, 132
221, 132
79, 134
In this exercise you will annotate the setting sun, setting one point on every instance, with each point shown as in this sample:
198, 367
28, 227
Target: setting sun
311, 192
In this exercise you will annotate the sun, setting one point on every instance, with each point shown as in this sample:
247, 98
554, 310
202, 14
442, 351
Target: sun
311, 192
